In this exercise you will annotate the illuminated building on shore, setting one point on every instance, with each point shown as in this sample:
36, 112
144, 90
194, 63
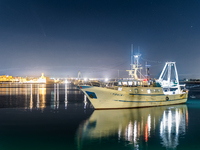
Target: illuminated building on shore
7, 78
42, 79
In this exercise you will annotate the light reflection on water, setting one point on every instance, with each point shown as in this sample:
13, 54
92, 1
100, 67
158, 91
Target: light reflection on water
135, 127
62, 115
29, 96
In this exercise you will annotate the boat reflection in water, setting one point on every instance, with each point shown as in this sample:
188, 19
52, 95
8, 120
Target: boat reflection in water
134, 127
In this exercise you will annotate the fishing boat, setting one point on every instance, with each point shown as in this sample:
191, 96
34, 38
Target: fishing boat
136, 92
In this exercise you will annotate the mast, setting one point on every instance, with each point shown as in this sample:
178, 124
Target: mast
147, 71
135, 66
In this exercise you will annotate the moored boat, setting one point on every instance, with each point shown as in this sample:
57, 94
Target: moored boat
136, 92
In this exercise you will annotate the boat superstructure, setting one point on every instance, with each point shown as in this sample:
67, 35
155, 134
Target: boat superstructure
134, 92
135, 67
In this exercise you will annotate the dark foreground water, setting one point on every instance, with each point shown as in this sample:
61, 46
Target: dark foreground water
58, 116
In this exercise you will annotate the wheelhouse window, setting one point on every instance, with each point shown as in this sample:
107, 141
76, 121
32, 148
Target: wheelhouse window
130, 83
115, 84
124, 83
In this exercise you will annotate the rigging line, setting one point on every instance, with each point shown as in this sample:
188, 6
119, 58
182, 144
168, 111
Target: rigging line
141, 74
100, 69
118, 65
96, 71
111, 68
156, 65
158, 75
154, 61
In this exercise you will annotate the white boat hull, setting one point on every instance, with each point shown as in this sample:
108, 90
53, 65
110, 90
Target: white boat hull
104, 98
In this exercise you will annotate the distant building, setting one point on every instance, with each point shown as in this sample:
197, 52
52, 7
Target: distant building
49, 81
6, 78
42, 79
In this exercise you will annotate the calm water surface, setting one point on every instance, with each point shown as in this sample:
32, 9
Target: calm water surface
59, 116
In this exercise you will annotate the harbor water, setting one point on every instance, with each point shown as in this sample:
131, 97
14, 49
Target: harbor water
59, 116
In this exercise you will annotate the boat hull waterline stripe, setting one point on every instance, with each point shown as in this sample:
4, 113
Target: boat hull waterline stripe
137, 107
146, 101
149, 94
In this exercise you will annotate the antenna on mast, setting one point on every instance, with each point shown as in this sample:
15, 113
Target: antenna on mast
138, 49
131, 55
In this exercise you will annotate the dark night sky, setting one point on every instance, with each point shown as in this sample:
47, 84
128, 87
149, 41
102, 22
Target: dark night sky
61, 37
